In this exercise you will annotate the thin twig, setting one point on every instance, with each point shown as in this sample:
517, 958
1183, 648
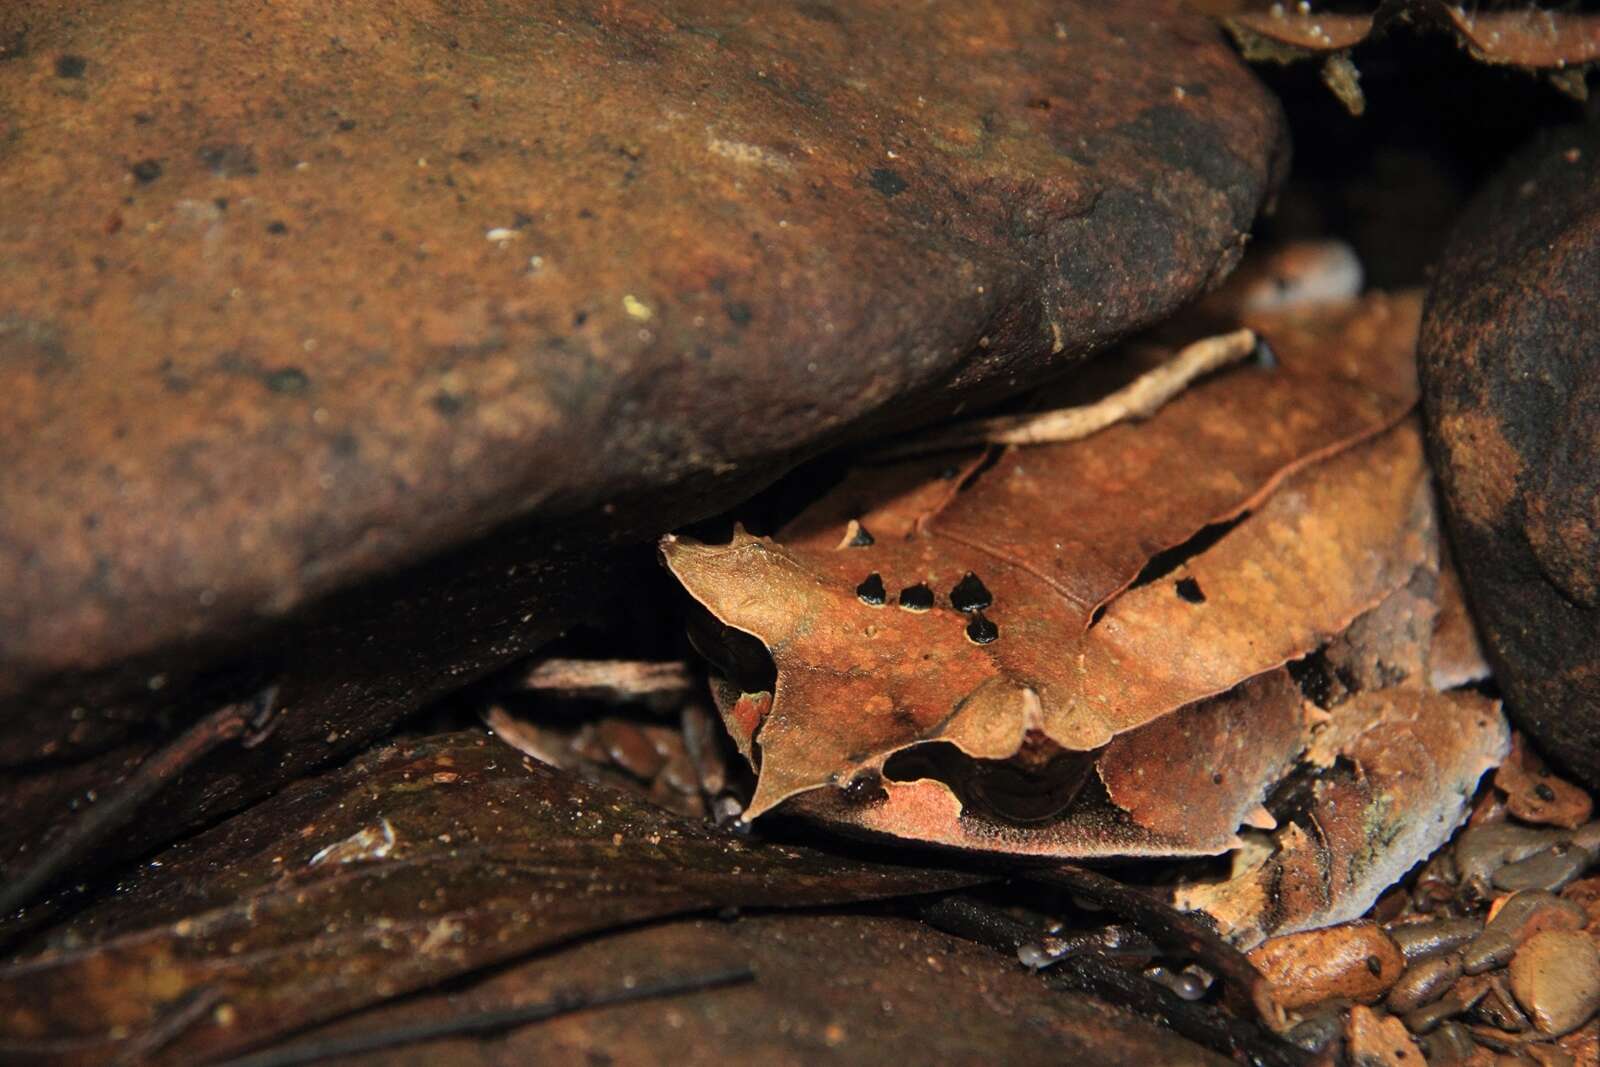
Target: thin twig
79, 841
611, 680
488, 1022
1139, 399
1166, 925
190, 1009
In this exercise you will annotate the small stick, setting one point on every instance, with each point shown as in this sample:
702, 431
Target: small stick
488, 1022
1139, 399
1165, 924
613, 680
245, 719
190, 1009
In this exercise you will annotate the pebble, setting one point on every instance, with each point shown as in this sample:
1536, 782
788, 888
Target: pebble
1499, 1009
1420, 940
1583, 1044
1356, 961
1551, 1056
1186, 985
1424, 983
1551, 869
1535, 795
1317, 1033
1586, 894
1482, 850
1517, 918
1451, 1044
1374, 1041
700, 734
630, 748
1462, 998
1555, 976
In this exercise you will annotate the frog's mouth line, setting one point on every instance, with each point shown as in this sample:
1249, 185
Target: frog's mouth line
1041, 783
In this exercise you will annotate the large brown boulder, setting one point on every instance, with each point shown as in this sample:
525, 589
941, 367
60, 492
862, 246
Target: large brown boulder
293, 295
1510, 358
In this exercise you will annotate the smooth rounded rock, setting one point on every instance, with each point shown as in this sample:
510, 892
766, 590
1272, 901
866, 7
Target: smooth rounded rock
1356, 961
1510, 367
266, 333
1555, 976
298, 298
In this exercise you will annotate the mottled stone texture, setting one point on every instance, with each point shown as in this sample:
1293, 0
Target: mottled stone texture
1511, 374
296, 294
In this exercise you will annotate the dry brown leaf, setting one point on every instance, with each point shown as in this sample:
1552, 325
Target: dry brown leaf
1399, 768
1069, 657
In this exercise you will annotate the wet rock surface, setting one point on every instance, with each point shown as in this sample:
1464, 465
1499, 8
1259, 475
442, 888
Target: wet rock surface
302, 296
1508, 362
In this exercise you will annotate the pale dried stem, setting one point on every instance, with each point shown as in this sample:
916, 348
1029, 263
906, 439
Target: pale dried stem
1139, 399
611, 680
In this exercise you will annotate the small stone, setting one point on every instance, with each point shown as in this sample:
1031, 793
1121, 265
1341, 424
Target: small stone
1517, 918
1357, 961
1499, 1009
1555, 976
1424, 983
1534, 794
1551, 869
1466, 994
1449, 1045
1480, 851
1372, 1040
630, 748
1317, 1033
1420, 940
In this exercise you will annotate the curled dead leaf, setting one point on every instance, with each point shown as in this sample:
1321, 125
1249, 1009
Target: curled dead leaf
1401, 766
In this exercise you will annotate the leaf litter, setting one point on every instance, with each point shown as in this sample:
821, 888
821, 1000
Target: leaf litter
1224, 627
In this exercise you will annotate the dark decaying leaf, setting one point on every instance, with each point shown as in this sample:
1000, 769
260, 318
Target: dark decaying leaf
835, 989
1332, 516
1400, 766
417, 863
1519, 36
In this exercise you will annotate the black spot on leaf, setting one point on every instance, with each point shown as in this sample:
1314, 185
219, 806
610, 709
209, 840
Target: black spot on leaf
871, 591
1189, 590
980, 631
970, 594
916, 597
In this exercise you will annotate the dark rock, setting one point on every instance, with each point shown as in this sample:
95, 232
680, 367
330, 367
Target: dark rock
1510, 362
601, 269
